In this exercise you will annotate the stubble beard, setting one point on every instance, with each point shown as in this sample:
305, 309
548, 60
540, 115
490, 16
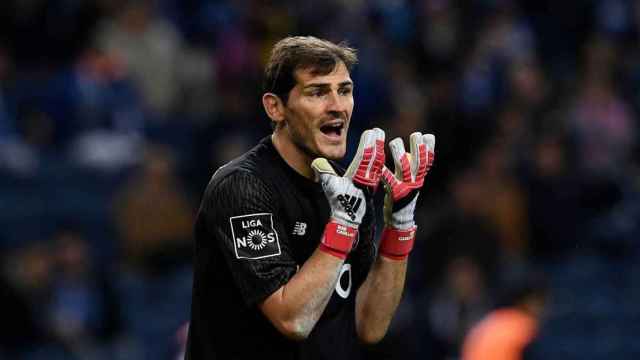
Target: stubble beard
298, 139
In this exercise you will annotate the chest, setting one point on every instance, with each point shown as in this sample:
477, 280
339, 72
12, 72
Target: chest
306, 212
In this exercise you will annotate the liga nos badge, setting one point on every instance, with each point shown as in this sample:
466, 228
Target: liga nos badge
254, 236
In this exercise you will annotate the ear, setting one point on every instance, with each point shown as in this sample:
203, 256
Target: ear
273, 106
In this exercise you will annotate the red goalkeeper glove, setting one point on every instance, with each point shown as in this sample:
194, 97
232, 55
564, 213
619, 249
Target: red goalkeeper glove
402, 190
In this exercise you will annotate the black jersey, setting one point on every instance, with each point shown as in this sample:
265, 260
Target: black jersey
258, 222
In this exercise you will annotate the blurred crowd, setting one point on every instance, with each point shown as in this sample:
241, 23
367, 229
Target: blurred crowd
115, 113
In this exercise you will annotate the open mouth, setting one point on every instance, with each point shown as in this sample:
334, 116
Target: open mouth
333, 129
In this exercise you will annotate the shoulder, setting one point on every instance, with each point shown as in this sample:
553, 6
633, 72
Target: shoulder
235, 184
241, 186
242, 174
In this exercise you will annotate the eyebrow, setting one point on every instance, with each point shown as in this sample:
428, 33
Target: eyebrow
324, 85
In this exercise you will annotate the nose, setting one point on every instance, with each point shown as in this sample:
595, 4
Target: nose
337, 104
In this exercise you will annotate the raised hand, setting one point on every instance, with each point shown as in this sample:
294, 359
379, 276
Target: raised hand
347, 194
402, 189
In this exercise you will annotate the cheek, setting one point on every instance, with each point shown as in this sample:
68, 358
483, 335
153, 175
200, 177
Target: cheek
304, 120
303, 127
301, 131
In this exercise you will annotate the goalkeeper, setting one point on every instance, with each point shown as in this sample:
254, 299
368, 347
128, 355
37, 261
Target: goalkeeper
285, 262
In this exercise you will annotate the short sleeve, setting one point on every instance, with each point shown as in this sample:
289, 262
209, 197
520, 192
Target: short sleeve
242, 215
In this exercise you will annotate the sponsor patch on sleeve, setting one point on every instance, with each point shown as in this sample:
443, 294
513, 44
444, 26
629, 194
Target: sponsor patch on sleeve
254, 236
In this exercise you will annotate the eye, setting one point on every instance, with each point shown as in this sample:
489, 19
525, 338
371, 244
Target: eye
345, 91
315, 92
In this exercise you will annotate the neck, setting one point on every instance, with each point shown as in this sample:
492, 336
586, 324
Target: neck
292, 154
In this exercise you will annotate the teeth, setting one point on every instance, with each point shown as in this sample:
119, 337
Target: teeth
336, 125
335, 129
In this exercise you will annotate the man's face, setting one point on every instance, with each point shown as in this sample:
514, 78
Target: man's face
318, 112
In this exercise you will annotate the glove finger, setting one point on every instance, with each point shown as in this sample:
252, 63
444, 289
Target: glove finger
379, 156
423, 162
388, 178
400, 159
415, 142
322, 169
361, 160
430, 141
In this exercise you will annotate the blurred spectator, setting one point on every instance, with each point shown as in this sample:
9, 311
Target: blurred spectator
507, 209
440, 33
108, 122
614, 17
506, 39
25, 293
458, 303
553, 197
527, 84
34, 142
154, 215
102, 94
459, 228
408, 98
150, 48
505, 332
515, 131
601, 121
198, 80
83, 311
397, 20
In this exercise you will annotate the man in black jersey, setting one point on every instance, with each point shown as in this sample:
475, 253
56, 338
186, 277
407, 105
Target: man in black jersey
286, 266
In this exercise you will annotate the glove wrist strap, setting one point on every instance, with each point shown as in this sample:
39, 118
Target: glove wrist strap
338, 239
396, 244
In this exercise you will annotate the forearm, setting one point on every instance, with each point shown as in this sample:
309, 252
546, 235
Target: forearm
378, 298
296, 307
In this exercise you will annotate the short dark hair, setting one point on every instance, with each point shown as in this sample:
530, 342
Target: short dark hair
303, 52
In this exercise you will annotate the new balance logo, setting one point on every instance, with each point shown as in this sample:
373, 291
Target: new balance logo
351, 204
300, 228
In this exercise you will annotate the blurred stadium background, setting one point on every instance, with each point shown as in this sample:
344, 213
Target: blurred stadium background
114, 114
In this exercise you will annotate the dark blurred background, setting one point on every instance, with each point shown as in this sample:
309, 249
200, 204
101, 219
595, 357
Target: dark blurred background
115, 113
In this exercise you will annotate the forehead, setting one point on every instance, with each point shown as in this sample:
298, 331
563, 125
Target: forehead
338, 75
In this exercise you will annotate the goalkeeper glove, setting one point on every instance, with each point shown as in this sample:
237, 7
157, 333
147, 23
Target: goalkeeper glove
347, 195
402, 189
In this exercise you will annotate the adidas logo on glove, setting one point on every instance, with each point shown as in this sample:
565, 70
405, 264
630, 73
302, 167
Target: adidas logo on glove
351, 204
